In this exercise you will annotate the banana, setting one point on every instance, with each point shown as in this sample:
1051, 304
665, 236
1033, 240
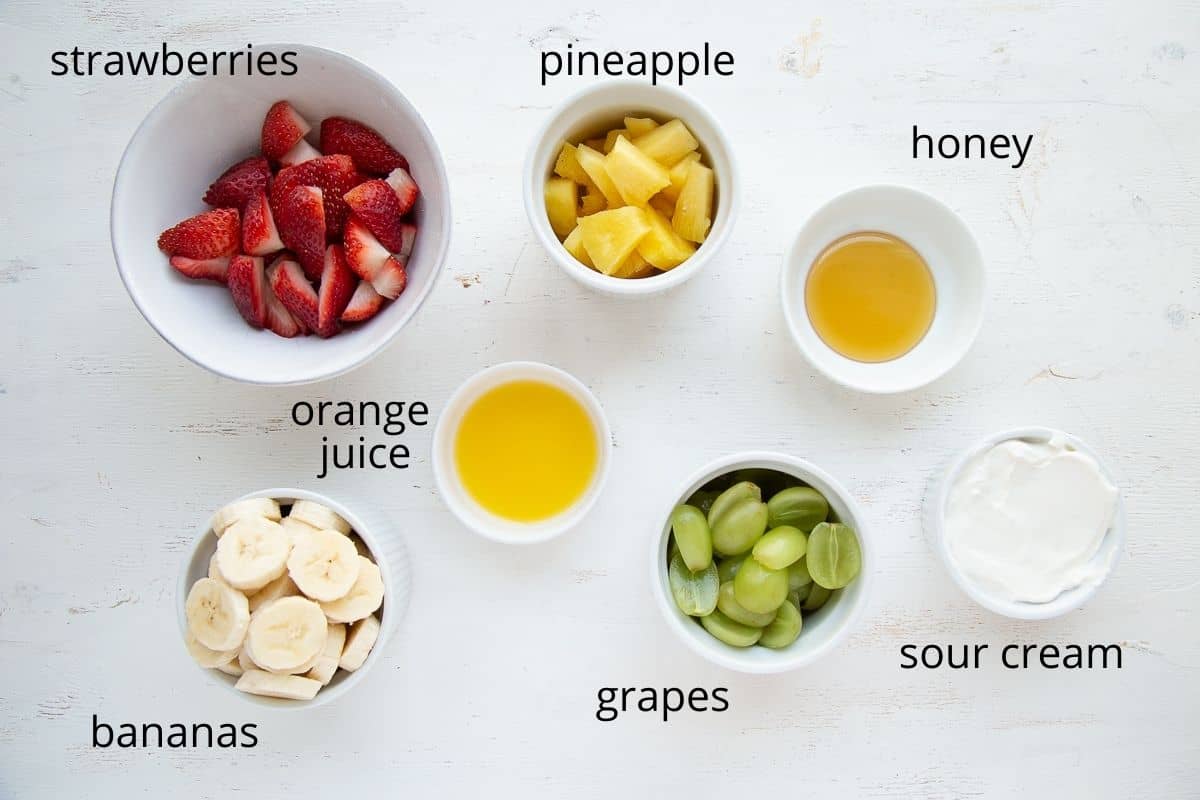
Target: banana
254, 507
359, 642
280, 587
214, 571
217, 615
252, 552
287, 634
295, 529
232, 668
209, 658
324, 565
364, 598
289, 687
245, 660
327, 662
320, 517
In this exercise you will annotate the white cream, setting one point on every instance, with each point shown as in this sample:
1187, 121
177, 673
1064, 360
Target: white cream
1025, 520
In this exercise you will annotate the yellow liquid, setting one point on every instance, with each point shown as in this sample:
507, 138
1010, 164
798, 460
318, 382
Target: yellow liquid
870, 296
526, 450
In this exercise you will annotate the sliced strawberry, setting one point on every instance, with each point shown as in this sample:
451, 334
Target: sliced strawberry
247, 284
408, 237
391, 278
239, 183
209, 235
364, 304
334, 175
282, 128
206, 269
377, 206
278, 319
364, 253
370, 151
295, 292
303, 151
260, 237
301, 222
337, 285
405, 187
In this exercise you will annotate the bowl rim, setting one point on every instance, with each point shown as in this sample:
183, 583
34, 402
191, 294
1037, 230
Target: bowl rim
734, 658
438, 260
791, 272
935, 521
727, 211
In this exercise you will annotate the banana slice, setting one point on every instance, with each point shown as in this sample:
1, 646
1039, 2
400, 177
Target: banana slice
327, 663
217, 615
280, 587
295, 529
267, 684
324, 565
214, 571
320, 517
364, 598
287, 634
359, 642
232, 668
209, 658
245, 660
254, 507
252, 553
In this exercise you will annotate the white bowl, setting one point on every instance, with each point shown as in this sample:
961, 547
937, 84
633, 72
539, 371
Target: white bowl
823, 629
387, 548
475, 516
203, 126
934, 514
588, 112
946, 245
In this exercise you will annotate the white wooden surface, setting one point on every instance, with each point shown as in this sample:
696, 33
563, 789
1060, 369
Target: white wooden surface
114, 446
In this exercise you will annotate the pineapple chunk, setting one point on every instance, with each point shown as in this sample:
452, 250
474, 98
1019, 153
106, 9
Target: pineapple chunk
610, 236
662, 205
595, 144
678, 175
635, 267
610, 139
693, 210
574, 245
593, 164
567, 166
668, 143
592, 202
662, 246
637, 176
639, 125
561, 200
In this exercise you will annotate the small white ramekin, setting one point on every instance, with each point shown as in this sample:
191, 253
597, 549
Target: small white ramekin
824, 629
584, 114
469, 512
387, 548
934, 515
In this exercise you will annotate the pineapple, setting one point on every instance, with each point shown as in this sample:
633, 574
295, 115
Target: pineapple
596, 144
611, 236
668, 143
678, 175
635, 267
662, 205
610, 139
574, 245
567, 166
662, 246
637, 126
593, 164
637, 176
592, 202
693, 210
561, 199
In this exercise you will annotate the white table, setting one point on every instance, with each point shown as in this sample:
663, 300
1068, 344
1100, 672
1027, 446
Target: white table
115, 446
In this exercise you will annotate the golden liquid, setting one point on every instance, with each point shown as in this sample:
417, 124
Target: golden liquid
870, 296
526, 450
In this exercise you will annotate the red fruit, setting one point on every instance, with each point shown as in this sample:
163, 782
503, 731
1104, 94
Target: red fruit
278, 319
377, 206
333, 175
364, 304
208, 269
303, 151
239, 183
301, 222
405, 187
391, 278
247, 284
364, 253
408, 239
370, 151
209, 235
295, 292
260, 237
337, 285
282, 128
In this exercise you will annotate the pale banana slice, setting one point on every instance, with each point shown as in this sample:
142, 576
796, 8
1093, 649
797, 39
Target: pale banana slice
217, 615
324, 565
286, 634
232, 668
267, 684
295, 529
327, 663
359, 642
280, 587
245, 660
209, 658
214, 571
252, 553
319, 516
254, 507
364, 598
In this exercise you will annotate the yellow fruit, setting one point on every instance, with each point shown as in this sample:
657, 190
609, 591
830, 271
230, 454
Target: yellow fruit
693, 210
662, 205
637, 176
593, 164
635, 267
611, 138
567, 166
662, 246
667, 143
595, 144
678, 175
639, 125
592, 202
561, 199
610, 236
574, 245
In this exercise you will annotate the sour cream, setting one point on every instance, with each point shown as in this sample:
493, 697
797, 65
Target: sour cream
1025, 520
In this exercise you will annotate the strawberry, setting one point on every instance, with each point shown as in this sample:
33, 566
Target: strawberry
364, 253
301, 222
282, 128
391, 278
303, 151
337, 285
278, 319
370, 151
247, 284
364, 304
239, 183
408, 237
377, 206
405, 187
207, 269
260, 237
334, 175
295, 292
212, 234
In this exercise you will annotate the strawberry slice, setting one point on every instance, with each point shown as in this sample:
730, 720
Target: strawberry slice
278, 319
282, 128
405, 187
391, 278
206, 269
364, 304
334, 175
301, 222
295, 292
378, 207
370, 151
260, 237
239, 183
303, 151
247, 284
364, 253
337, 286
408, 237
209, 235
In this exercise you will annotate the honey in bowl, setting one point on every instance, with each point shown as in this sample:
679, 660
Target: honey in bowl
870, 296
526, 450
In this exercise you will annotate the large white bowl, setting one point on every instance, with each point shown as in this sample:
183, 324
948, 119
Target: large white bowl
203, 126
604, 105
823, 629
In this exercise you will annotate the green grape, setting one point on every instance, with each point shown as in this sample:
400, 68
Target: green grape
784, 629
760, 589
731, 497
691, 535
798, 575
728, 567
695, 592
817, 597
834, 558
781, 547
738, 528
731, 633
728, 605
800, 506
